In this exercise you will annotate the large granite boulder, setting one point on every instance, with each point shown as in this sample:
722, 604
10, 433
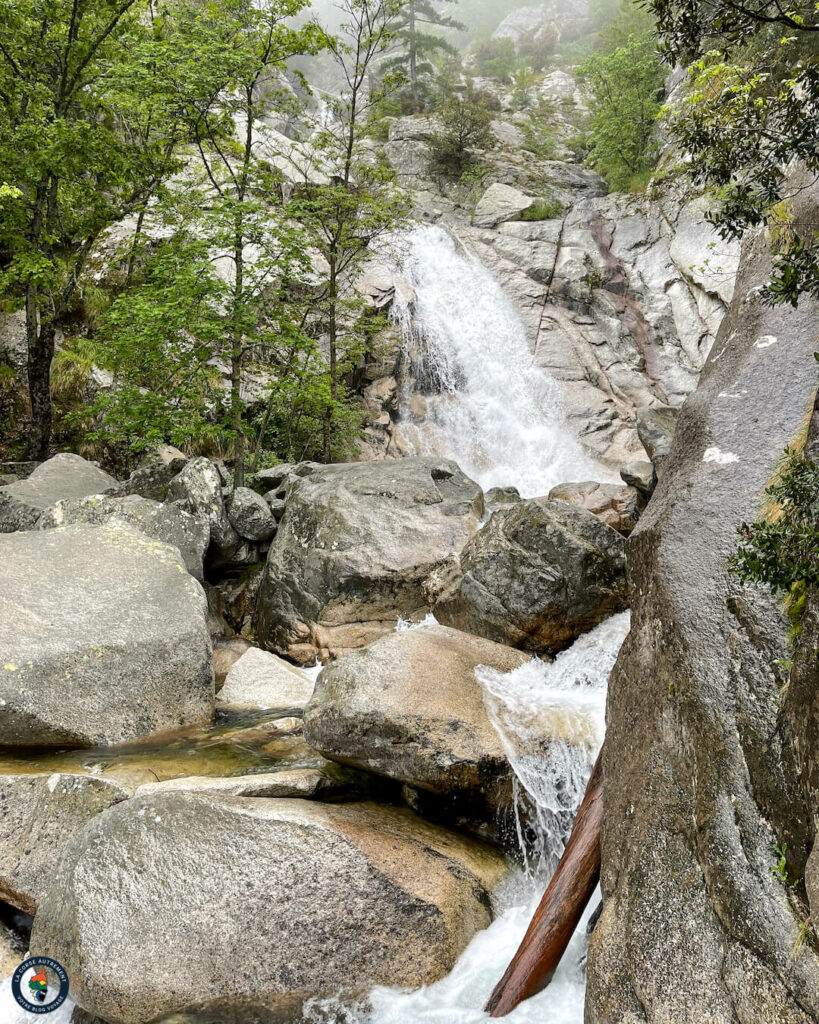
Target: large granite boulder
538, 575
705, 771
217, 908
500, 203
63, 476
165, 523
39, 813
104, 638
355, 546
250, 515
656, 425
198, 489
258, 679
410, 707
618, 505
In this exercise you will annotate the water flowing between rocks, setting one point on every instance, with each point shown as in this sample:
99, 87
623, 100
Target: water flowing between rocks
550, 784
484, 402
489, 407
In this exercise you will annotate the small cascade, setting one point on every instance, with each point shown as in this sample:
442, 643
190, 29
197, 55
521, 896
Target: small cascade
486, 404
551, 780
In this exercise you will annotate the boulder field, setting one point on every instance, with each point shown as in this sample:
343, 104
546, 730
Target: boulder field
256, 854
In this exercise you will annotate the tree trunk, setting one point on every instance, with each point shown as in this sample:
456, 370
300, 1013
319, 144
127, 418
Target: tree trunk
561, 908
40, 341
332, 294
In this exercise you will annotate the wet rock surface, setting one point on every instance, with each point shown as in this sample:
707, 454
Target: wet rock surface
701, 780
410, 707
317, 900
537, 576
354, 548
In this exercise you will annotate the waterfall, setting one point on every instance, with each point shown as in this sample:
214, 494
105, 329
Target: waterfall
484, 402
551, 780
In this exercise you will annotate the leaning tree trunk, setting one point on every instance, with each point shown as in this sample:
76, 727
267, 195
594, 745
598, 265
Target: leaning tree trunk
701, 783
561, 908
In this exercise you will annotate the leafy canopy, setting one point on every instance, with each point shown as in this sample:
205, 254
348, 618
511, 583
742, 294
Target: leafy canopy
751, 114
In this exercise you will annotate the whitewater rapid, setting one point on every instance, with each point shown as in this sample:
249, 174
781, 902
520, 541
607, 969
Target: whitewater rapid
550, 783
488, 405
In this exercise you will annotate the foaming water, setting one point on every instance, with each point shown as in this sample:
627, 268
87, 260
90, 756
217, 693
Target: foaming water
488, 406
568, 694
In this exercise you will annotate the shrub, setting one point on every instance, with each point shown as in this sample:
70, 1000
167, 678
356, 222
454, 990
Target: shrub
543, 209
465, 129
782, 547
625, 86
497, 58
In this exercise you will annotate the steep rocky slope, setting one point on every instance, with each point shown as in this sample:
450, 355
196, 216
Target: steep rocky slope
702, 780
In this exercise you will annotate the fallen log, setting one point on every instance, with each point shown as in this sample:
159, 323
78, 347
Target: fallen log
561, 908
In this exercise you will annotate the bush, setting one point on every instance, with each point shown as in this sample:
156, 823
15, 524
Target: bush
625, 85
543, 209
497, 59
782, 547
465, 119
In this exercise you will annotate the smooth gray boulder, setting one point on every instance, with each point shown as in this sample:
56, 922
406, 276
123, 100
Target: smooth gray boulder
537, 576
104, 638
306, 783
198, 488
656, 425
152, 477
410, 707
215, 908
500, 203
63, 476
354, 548
258, 679
39, 813
250, 515
166, 523
639, 474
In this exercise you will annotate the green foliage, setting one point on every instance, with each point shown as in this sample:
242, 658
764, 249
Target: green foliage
539, 136
465, 130
417, 46
750, 115
780, 869
782, 548
497, 59
535, 48
624, 84
542, 209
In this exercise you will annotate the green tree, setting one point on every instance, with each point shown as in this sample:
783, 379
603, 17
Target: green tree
417, 46
77, 80
248, 45
750, 113
624, 82
356, 204
221, 290
465, 129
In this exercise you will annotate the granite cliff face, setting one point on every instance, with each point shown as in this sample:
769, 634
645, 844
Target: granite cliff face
704, 778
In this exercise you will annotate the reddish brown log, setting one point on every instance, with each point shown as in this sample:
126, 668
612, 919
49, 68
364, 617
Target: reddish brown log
561, 908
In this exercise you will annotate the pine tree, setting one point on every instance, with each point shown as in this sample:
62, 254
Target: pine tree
416, 45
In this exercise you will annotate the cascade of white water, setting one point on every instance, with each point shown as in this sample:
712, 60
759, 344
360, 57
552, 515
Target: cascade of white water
569, 694
489, 407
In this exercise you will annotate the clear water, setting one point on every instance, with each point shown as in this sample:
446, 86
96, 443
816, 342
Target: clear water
488, 406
